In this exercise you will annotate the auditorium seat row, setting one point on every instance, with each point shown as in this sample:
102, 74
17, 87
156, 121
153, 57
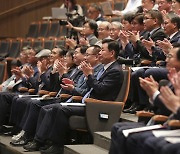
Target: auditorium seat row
46, 29
12, 47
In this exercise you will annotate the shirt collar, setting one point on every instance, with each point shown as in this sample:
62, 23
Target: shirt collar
172, 35
107, 65
154, 30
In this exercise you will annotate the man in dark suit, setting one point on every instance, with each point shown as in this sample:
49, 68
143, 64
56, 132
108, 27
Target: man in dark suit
171, 27
39, 81
152, 23
23, 108
135, 141
6, 97
110, 77
147, 142
94, 13
42, 83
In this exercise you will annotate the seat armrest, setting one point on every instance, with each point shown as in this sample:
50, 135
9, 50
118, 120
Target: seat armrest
65, 96
101, 115
145, 62
52, 94
23, 89
174, 123
159, 118
43, 92
144, 116
31, 91
9, 58
77, 98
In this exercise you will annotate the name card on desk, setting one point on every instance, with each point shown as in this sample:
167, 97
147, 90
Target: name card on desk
20, 96
137, 68
140, 129
73, 104
173, 139
166, 133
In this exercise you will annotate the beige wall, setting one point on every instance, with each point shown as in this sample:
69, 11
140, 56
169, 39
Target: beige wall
15, 23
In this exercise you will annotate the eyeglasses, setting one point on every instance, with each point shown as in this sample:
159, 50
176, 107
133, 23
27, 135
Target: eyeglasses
146, 18
114, 29
89, 54
169, 56
101, 29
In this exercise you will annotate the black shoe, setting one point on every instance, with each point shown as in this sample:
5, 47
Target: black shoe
46, 146
54, 149
5, 129
32, 146
10, 133
137, 108
128, 110
23, 140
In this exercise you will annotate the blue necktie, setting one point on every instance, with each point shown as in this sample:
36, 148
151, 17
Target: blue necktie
89, 92
100, 73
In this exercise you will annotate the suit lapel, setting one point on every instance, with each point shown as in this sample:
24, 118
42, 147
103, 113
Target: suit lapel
175, 37
109, 68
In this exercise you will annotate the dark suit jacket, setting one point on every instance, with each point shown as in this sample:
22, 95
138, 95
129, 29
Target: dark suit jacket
100, 18
82, 88
161, 108
177, 115
175, 38
55, 80
73, 76
45, 79
109, 84
158, 34
159, 54
92, 39
32, 81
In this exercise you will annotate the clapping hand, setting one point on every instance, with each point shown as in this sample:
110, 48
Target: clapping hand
83, 41
86, 68
174, 77
149, 85
67, 84
134, 36
17, 72
61, 67
170, 100
148, 44
71, 43
42, 67
165, 45
28, 71
123, 35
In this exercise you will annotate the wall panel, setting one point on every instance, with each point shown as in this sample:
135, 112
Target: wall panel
16, 24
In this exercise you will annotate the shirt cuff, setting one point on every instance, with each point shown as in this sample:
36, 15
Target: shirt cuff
155, 94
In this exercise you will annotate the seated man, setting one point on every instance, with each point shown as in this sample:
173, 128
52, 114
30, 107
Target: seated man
13, 82
118, 140
29, 114
26, 76
110, 77
147, 142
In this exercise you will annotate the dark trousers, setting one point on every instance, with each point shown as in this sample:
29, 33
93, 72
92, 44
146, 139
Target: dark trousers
18, 109
32, 114
147, 143
57, 117
138, 94
5, 105
118, 140
134, 142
